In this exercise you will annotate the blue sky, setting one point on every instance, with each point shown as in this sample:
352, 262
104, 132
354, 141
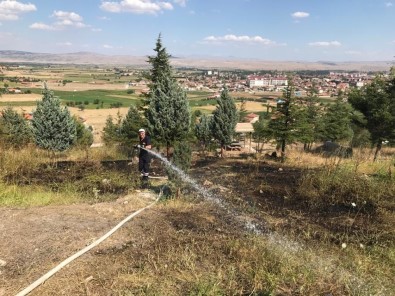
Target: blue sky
304, 30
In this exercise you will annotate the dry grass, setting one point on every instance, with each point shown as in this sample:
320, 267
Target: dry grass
188, 247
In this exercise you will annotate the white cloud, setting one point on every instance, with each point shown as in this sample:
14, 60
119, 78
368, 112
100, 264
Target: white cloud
137, 6
96, 30
108, 46
42, 26
389, 4
325, 43
182, 3
243, 38
63, 19
300, 14
10, 10
104, 18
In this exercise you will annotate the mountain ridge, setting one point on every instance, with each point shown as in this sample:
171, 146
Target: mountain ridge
91, 58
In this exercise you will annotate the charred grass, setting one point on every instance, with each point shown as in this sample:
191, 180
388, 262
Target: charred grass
315, 241
60, 181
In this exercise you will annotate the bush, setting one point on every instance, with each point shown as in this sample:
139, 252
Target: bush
14, 129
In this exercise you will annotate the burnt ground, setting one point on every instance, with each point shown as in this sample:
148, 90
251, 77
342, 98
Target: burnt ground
34, 240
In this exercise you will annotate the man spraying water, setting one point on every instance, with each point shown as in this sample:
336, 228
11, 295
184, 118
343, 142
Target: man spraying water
144, 156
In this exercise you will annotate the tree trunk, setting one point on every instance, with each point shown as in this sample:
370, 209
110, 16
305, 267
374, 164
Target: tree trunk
282, 150
378, 148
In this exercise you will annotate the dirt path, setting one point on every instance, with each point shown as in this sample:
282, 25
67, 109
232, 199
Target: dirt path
42, 237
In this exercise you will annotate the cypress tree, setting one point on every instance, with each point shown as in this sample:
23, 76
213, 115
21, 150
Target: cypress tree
168, 112
224, 119
53, 127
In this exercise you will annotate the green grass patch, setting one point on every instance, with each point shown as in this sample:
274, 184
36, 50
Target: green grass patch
94, 98
27, 196
200, 103
17, 104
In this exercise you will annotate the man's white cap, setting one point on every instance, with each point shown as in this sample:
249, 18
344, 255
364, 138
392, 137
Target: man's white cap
141, 130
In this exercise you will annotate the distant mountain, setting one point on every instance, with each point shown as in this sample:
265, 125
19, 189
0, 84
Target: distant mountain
90, 58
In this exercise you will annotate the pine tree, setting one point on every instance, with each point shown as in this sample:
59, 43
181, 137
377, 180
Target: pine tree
285, 122
376, 102
14, 129
224, 119
53, 127
203, 131
168, 112
160, 63
111, 131
130, 125
336, 122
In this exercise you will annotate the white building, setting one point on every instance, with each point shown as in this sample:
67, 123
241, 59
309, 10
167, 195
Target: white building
261, 81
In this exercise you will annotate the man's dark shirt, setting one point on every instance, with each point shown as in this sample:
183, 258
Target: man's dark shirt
144, 142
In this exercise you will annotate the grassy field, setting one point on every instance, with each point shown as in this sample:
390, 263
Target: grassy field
280, 229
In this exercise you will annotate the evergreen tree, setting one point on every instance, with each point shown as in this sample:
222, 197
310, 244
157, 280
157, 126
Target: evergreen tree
203, 131
285, 123
182, 158
313, 118
53, 127
111, 131
337, 122
168, 112
160, 63
14, 129
84, 136
261, 133
242, 111
376, 102
224, 119
130, 125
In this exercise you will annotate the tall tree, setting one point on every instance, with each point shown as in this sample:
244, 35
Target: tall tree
313, 119
203, 131
224, 119
168, 113
53, 127
160, 63
285, 121
376, 102
336, 122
